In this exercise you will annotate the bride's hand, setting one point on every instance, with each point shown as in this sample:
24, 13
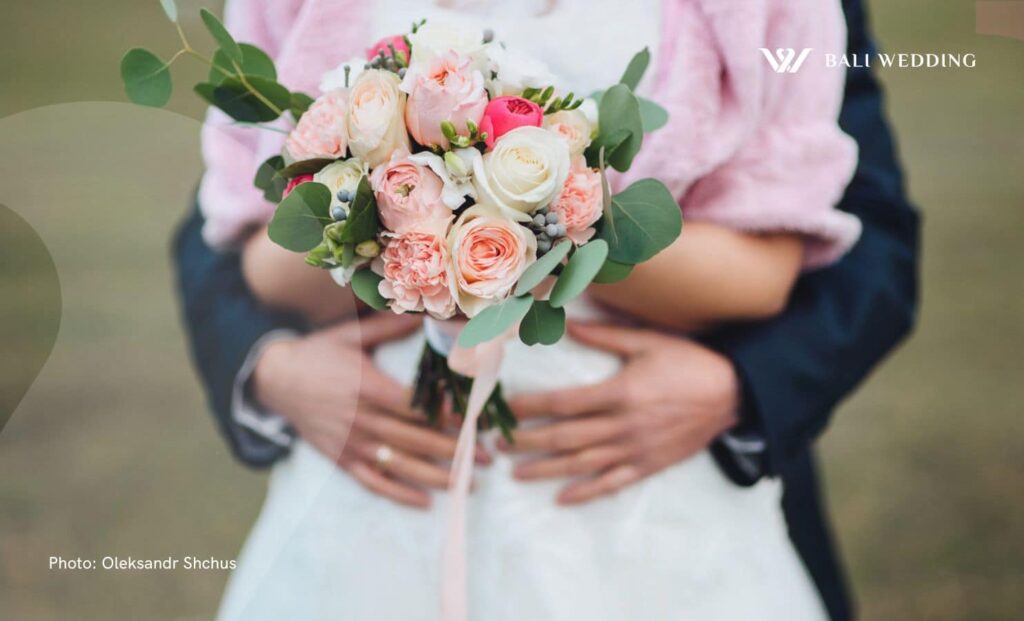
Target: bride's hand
329, 389
671, 398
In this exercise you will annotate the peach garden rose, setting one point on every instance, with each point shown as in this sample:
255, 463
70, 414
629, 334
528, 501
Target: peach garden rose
446, 89
321, 131
408, 194
580, 203
489, 253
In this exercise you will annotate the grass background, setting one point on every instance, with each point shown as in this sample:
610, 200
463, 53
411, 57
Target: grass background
111, 452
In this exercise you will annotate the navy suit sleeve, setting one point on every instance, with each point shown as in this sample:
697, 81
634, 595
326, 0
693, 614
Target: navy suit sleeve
223, 321
843, 320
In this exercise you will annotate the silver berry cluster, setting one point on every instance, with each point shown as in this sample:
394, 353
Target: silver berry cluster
548, 228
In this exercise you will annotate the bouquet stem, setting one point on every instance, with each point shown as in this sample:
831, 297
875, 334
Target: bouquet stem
437, 385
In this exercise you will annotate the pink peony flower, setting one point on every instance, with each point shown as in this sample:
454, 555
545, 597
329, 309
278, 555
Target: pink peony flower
489, 254
414, 265
446, 89
504, 114
295, 182
321, 131
408, 194
398, 41
580, 203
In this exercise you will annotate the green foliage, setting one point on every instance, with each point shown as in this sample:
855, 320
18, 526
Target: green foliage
304, 167
221, 35
641, 221
299, 104
652, 116
238, 102
268, 179
579, 272
299, 220
494, 320
612, 272
543, 324
147, 80
365, 285
620, 129
171, 9
636, 69
362, 222
255, 62
542, 267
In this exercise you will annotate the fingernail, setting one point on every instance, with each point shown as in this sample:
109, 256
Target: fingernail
502, 444
483, 457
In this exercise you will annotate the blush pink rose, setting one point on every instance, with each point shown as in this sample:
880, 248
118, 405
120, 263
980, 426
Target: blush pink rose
506, 113
580, 203
398, 41
295, 182
414, 265
489, 253
321, 131
445, 89
408, 194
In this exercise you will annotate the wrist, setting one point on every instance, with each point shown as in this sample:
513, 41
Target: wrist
270, 372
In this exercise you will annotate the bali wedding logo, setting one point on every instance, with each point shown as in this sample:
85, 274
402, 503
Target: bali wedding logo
787, 60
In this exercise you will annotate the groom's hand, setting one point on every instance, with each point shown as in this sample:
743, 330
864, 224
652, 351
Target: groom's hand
329, 389
671, 398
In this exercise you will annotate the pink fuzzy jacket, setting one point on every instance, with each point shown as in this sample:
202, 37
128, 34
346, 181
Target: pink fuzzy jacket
745, 146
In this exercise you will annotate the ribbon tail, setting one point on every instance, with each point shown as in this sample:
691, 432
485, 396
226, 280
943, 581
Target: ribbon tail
454, 583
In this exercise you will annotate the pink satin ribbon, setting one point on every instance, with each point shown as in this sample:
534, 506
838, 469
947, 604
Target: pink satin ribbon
482, 363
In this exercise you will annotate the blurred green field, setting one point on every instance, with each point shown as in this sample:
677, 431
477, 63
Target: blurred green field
112, 452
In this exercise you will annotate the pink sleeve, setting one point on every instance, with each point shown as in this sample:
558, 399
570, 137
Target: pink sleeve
793, 168
227, 197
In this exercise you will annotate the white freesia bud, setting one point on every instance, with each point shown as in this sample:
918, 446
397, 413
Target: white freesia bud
455, 171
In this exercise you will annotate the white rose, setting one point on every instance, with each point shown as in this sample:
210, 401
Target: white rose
524, 171
515, 71
376, 117
335, 78
433, 40
573, 126
339, 176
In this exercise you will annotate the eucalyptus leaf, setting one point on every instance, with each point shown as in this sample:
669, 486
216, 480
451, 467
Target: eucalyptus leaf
579, 272
643, 220
613, 272
221, 35
300, 103
540, 268
171, 9
652, 116
543, 324
255, 62
267, 171
362, 223
239, 103
268, 179
494, 320
304, 167
636, 69
299, 220
147, 80
365, 284
620, 128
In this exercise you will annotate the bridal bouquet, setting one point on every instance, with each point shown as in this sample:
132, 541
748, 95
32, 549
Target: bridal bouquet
445, 173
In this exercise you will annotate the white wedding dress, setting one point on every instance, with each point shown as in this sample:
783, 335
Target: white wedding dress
683, 544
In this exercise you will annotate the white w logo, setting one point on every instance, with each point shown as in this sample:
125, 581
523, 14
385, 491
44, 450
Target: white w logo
785, 59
